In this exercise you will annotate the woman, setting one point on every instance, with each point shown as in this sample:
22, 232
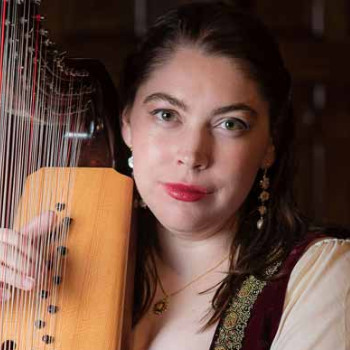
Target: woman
224, 259
206, 113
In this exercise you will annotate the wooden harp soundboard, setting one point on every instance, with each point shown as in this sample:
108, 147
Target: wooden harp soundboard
87, 305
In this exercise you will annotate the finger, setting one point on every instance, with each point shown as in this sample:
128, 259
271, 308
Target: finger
5, 294
9, 237
13, 258
15, 279
13, 239
40, 225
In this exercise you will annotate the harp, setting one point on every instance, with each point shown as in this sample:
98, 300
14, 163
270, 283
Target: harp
47, 110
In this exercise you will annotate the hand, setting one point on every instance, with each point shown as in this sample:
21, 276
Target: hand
19, 253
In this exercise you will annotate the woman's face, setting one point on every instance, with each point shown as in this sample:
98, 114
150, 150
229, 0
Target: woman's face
199, 132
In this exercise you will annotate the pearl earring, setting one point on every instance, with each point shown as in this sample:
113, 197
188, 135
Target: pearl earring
131, 160
138, 203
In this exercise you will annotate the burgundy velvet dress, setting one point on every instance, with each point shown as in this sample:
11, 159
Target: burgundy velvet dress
251, 320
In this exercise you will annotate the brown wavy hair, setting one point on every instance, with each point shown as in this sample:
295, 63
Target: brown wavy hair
221, 29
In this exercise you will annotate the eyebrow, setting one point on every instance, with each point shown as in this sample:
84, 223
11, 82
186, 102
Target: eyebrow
180, 104
234, 108
165, 97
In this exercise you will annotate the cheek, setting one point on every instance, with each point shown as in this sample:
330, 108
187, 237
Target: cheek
240, 165
148, 151
151, 145
243, 157
150, 156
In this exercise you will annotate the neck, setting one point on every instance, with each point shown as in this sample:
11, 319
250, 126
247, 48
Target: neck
188, 255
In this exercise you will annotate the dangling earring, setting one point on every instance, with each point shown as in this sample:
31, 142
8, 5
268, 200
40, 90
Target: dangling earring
264, 196
131, 160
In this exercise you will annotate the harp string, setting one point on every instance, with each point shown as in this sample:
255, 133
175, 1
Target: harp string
41, 103
3, 17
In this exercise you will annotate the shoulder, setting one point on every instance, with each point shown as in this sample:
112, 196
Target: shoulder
317, 302
325, 264
324, 257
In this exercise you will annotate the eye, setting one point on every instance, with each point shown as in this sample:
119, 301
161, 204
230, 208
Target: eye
164, 115
233, 124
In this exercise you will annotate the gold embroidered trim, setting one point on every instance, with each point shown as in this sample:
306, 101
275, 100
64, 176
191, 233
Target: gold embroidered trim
231, 331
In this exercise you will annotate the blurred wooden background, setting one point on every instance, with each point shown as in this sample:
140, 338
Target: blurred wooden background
315, 40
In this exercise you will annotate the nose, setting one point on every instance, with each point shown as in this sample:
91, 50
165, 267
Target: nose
194, 150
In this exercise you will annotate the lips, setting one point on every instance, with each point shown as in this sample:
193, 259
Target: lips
185, 192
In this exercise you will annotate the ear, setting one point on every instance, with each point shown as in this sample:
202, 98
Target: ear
270, 155
126, 128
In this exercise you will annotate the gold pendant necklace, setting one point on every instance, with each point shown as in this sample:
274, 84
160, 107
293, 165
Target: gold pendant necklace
160, 306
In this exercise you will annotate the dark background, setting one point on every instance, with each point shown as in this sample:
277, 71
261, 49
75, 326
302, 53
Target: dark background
315, 40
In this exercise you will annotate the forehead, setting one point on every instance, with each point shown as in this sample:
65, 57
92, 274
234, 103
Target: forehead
191, 73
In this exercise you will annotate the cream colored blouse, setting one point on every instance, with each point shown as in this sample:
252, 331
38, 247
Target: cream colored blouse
316, 314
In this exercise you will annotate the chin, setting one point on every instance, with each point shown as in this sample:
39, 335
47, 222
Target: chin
181, 221
186, 229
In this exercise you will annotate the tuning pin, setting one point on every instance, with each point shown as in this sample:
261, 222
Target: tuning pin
39, 324
62, 250
47, 339
52, 309
60, 206
67, 221
57, 280
44, 294
44, 32
23, 20
39, 18
8, 345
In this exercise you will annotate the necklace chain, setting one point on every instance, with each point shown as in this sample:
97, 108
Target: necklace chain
162, 305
